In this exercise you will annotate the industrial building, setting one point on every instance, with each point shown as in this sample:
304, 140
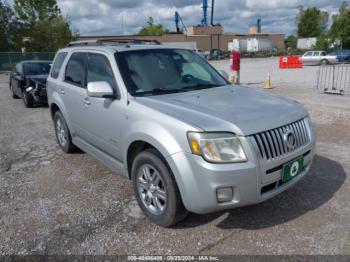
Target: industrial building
206, 36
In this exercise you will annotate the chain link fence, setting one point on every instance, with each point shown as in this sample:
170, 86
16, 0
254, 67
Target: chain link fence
8, 60
334, 79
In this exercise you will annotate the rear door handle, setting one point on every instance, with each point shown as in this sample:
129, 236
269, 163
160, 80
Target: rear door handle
62, 91
86, 101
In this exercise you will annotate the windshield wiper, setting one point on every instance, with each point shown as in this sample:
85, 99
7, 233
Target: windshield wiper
162, 91
157, 91
199, 86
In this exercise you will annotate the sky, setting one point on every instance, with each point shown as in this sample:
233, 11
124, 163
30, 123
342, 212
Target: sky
115, 17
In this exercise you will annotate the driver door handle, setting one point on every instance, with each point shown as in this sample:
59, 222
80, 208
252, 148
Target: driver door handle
86, 101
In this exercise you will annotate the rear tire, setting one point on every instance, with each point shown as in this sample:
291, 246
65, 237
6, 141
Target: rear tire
159, 196
63, 135
324, 62
28, 99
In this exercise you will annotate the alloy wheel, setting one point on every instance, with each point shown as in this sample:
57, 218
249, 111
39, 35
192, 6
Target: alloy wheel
61, 133
151, 189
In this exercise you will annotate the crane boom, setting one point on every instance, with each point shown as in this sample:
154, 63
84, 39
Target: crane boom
178, 19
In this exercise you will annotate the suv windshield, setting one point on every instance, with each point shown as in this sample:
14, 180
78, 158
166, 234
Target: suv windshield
36, 68
162, 71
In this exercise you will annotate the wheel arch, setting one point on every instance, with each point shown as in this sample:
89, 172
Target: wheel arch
56, 104
53, 109
137, 147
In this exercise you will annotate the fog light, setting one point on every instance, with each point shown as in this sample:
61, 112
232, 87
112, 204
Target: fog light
224, 194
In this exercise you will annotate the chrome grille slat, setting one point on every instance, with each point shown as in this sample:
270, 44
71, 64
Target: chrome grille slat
280, 131
267, 148
285, 128
273, 136
261, 147
303, 126
300, 124
271, 142
279, 141
302, 132
296, 131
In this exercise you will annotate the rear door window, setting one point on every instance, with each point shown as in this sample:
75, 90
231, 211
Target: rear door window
76, 69
57, 64
316, 53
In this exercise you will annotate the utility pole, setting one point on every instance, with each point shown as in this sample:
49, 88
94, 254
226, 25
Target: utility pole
123, 23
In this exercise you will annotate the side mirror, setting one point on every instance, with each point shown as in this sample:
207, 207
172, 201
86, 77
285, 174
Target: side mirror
100, 90
224, 74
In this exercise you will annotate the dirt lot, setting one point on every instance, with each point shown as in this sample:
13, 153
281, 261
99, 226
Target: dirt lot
53, 203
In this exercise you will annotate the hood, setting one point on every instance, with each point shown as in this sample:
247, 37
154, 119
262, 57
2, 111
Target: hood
37, 78
238, 109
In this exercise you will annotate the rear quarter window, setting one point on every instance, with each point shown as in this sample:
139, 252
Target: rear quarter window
57, 64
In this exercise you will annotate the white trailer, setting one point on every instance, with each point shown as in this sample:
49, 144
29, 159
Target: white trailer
259, 45
185, 45
306, 43
238, 45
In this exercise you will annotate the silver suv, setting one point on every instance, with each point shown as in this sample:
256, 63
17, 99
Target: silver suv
167, 120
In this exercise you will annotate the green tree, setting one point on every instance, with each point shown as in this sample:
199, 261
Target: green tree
43, 23
152, 29
312, 22
30, 11
340, 28
9, 30
291, 41
322, 42
50, 35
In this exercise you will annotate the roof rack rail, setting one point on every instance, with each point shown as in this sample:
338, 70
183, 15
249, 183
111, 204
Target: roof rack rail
130, 40
83, 43
111, 41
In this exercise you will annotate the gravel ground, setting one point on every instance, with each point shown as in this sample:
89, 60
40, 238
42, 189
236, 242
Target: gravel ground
53, 203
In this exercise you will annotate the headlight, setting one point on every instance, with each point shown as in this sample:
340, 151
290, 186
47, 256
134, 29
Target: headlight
29, 89
217, 147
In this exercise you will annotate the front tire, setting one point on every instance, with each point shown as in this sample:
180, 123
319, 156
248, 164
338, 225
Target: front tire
13, 95
156, 190
63, 135
28, 99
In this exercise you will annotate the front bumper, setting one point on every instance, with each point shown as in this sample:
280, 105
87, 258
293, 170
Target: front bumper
252, 181
39, 93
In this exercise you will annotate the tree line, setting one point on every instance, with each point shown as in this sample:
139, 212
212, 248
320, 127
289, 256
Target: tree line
312, 22
37, 25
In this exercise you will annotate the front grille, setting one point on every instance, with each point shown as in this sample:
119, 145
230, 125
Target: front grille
271, 143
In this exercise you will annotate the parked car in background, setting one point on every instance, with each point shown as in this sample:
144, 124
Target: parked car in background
318, 58
167, 120
28, 81
343, 56
202, 53
217, 54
